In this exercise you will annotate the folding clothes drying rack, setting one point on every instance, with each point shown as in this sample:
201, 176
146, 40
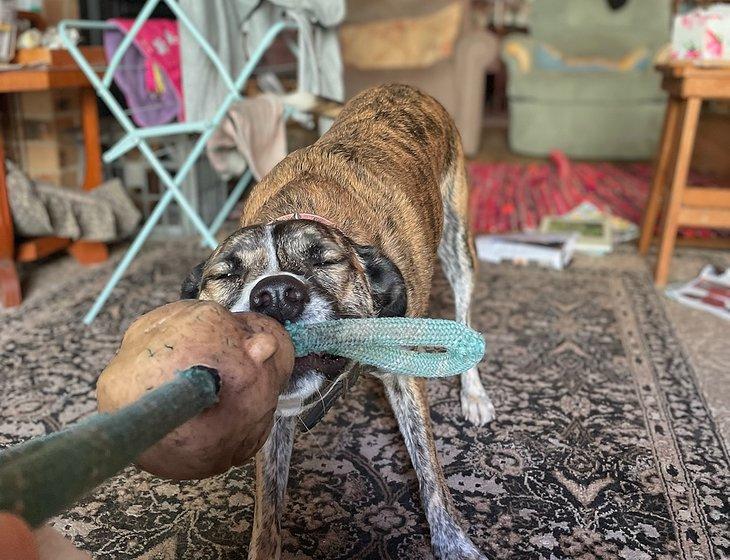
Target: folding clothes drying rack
136, 137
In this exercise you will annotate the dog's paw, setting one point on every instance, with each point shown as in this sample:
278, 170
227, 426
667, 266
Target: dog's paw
475, 403
477, 408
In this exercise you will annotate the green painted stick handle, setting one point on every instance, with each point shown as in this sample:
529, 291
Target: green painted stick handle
42, 477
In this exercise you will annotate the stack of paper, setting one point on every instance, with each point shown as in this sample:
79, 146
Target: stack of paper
621, 230
597, 231
710, 291
551, 250
584, 229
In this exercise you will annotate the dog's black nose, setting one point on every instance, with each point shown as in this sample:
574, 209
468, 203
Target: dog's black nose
282, 297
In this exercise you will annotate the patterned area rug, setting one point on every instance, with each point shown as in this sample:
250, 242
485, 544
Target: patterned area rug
513, 197
603, 446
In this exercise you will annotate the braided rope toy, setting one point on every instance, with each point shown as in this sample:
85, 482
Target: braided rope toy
385, 343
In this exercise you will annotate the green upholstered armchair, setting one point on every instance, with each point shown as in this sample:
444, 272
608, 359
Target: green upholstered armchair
583, 81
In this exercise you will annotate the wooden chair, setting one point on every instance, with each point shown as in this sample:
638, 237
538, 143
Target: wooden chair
684, 205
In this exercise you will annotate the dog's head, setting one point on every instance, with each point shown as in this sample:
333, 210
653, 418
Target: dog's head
300, 271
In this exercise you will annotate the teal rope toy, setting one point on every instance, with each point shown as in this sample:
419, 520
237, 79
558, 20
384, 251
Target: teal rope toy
385, 344
44, 476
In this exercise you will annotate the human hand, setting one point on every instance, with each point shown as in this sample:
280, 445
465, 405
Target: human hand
19, 542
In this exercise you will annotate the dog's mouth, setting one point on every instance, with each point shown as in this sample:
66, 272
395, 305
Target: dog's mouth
313, 379
328, 365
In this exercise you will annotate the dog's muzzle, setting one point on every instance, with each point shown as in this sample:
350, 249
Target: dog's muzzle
282, 297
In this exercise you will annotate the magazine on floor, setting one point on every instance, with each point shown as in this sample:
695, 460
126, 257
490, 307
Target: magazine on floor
621, 230
710, 291
594, 235
551, 250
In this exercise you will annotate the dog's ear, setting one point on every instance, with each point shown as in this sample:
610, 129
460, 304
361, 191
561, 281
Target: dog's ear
386, 281
191, 285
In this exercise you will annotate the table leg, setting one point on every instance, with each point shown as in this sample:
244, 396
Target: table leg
9, 282
10, 295
92, 141
90, 252
659, 185
679, 181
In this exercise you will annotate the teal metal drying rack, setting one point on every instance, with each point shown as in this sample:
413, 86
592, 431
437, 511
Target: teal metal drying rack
136, 137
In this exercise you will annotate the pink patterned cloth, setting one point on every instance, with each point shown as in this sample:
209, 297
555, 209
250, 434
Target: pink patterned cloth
702, 34
157, 56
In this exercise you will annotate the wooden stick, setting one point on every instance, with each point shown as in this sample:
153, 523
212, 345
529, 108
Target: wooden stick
44, 476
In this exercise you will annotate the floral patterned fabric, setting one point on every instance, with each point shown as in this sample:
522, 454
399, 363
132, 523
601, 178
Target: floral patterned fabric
603, 446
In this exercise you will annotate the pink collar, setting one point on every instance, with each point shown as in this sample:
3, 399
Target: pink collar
305, 216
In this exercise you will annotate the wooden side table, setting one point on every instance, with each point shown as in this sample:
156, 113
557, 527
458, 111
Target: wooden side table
684, 205
85, 252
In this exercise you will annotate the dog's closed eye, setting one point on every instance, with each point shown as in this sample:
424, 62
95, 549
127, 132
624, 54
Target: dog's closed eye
330, 261
322, 256
225, 276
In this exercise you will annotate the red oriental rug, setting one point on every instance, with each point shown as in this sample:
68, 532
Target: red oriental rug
514, 197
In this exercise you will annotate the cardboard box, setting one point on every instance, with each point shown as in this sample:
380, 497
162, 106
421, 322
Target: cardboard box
51, 160
43, 129
29, 156
49, 104
51, 155
42, 135
69, 178
56, 10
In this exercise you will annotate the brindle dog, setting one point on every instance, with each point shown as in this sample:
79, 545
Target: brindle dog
350, 227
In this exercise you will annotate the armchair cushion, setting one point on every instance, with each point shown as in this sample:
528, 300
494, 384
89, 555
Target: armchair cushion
586, 87
549, 58
456, 79
391, 42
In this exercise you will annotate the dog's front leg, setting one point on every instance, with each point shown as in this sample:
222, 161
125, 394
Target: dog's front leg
272, 472
407, 396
